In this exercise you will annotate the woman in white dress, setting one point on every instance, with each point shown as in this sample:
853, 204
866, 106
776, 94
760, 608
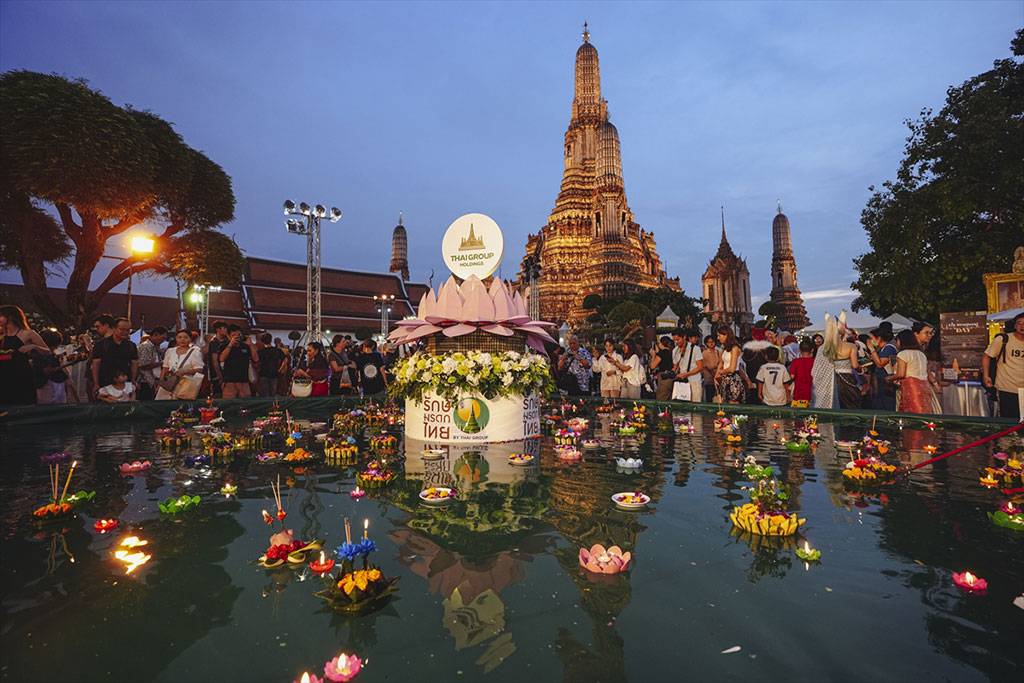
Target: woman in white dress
915, 394
186, 361
633, 376
608, 367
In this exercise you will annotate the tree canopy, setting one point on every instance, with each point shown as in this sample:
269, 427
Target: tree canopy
614, 316
956, 207
104, 169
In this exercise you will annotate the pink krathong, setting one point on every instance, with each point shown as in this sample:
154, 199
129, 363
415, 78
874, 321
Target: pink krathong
460, 310
601, 561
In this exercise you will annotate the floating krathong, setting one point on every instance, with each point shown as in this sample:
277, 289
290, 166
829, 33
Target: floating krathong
309, 678
357, 493
434, 453
357, 590
565, 437
228, 489
285, 548
590, 444
342, 668
579, 425
384, 442
629, 463
438, 495
808, 554
930, 449
61, 504
601, 561
1008, 516
298, 456
459, 310
733, 438
749, 518
797, 446
173, 437
970, 583
627, 430
341, 452
135, 467
268, 456
988, 481
374, 476
871, 470
174, 506
631, 500
520, 459
105, 525
322, 565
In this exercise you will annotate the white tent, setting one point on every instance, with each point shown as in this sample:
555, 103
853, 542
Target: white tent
704, 327
854, 321
667, 318
899, 322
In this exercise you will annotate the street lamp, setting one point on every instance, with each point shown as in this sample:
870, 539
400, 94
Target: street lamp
384, 302
141, 245
200, 296
309, 225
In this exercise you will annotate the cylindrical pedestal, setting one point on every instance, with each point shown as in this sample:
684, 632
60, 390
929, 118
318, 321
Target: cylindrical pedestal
472, 419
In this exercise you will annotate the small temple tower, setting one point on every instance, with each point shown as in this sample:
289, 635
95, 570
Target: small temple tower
400, 250
726, 285
785, 291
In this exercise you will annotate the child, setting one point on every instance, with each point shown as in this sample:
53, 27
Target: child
800, 371
773, 380
119, 390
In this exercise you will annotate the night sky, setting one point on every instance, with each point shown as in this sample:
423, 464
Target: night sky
442, 109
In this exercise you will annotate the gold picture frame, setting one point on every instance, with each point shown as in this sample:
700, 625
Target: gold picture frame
1003, 291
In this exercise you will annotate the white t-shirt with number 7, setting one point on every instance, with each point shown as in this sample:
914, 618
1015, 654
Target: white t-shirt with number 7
774, 377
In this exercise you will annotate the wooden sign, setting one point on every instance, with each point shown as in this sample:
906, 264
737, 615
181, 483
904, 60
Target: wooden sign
964, 337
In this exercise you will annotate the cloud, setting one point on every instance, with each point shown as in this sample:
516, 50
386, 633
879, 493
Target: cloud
829, 294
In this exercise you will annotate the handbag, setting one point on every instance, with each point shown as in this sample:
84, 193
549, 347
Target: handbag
681, 391
169, 382
302, 387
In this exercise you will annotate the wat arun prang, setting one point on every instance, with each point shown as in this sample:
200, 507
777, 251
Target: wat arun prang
591, 243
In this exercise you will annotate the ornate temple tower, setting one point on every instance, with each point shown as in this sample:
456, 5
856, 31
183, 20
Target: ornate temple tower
785, 291
399, 250
726, 285
591, 243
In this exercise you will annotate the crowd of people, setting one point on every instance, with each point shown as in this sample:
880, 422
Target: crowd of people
880, 370
837, 368
104, 365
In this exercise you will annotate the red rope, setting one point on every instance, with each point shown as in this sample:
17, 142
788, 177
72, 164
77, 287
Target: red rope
961, 449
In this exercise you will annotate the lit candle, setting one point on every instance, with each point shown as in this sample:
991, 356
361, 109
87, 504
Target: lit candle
970, 582
366, 529
321, 566
342, 668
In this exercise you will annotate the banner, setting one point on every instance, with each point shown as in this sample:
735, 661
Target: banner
472, 419
964, 338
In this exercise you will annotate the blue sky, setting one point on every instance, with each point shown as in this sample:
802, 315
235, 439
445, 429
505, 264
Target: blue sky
440, 109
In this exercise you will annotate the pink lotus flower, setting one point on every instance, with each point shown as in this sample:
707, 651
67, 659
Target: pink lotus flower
601, 561
999, 456
282, 538
343, 668
134, 467
970, 583
1009, 508
309, 678
460, 310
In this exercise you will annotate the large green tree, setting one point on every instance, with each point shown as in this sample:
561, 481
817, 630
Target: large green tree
104, 169
956, 207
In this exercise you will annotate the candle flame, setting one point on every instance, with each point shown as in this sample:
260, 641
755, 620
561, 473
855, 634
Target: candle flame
807, 547
969, 578
321, 557
305, 677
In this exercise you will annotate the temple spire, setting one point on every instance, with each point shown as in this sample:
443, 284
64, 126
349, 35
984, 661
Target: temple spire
723, 225
586, 33
778, 202
400, 218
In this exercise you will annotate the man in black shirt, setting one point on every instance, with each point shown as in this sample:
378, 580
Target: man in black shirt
234, 361
114, 353
271, 359
661, 367
213, 348
371, 371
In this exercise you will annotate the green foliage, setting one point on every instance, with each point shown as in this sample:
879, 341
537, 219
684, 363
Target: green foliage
629, 313
769, 310
64, 143
204, 257
592, 301
643, 306
26, 229
956, 207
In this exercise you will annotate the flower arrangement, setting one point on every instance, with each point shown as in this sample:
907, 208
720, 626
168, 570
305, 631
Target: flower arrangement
298, 456
438, 495
375, 476
520, 459
455, 374
357, 590
268, 456
605, 408
173, 506
184, 414
1009, 516
1009, 473
173, 437
797, 446
808, 554
601, 561
350, 422
627, 430
228, 489
343, 668
341, 450
568, 453
591, 444
766, 513
285, 548
565, 437
868, 471
577, 425
970, 582
217, 444
105, 525
631, 500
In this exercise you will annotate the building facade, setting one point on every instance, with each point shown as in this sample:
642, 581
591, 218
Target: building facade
726, 287
792, 315
591, 243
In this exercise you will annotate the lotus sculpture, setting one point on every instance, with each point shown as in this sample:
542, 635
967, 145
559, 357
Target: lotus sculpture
602, 561
629, 463
459, 310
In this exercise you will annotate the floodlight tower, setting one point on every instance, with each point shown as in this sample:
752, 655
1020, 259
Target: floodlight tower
310, 227
384, 303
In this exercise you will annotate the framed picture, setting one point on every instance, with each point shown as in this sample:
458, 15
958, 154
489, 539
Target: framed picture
1004, 291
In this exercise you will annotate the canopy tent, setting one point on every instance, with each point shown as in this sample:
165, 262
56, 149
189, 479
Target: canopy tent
899, 322
1008, 314
854, 321
667, 319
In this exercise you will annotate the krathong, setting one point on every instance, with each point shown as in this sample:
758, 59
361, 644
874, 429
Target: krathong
602, 561
631, 500
105, 525
520, 459
268, 456
357, 590
590, 444
342, 668
766, 514
298, 456
866, 471
808, 554
970, 582
797, 446
61, 504
322, 565
629, 463
565, 437
376, 475
309, 678
568, 453
434, 453
357, 493
437, 495
174, 506
384, 442
1008, 516
135, 467
228, 489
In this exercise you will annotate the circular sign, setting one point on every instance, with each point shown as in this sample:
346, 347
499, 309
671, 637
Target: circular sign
471, 415
472, 245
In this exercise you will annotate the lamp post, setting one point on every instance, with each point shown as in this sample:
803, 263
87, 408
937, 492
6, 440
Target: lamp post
532, 267
141, 245
201, 298
384, 302
310, 227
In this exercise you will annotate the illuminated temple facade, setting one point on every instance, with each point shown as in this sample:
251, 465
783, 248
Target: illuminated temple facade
726, 287
591, 243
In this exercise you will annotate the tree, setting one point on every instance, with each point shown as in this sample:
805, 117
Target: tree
104, 169
956, 207
769, 310
592, 301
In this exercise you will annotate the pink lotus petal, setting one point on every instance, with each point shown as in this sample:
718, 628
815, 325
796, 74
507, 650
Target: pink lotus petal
500, 330
477, 305
428, 303
459, 329
423, 331
584, 556
449, 301
597, 549
519, 306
